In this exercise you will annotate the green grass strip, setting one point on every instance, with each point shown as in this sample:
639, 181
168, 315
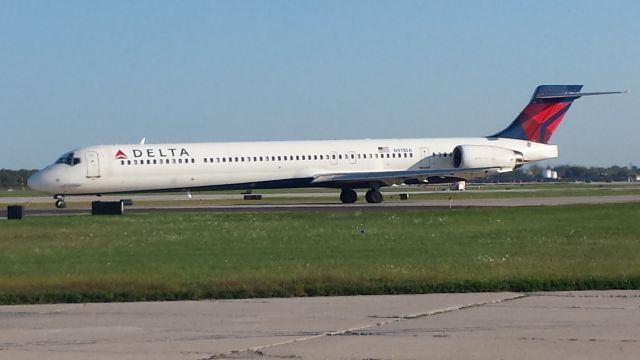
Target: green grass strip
242, 255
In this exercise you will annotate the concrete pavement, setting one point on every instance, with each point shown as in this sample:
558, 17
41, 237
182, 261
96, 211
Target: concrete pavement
568, 325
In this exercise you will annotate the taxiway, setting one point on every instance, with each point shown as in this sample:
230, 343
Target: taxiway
422, 205
567, 325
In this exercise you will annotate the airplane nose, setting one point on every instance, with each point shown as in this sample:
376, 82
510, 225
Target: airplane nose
36, 182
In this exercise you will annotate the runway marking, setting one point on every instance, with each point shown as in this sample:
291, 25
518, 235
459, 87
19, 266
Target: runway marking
258, 349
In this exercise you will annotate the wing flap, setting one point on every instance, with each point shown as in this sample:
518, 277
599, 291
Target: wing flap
398, 176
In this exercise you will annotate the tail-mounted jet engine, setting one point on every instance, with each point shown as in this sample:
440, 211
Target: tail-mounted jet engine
480, 156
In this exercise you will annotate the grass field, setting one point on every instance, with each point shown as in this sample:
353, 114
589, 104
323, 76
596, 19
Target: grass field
234, 255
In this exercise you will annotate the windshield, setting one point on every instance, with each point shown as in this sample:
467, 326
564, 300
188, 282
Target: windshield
68, 159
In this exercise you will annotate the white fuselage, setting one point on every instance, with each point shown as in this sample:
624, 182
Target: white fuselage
245, 165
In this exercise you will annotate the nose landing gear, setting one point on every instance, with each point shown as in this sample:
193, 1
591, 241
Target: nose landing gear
60, 204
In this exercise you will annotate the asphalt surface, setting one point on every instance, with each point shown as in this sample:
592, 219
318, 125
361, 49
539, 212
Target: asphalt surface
422, 205
563, 325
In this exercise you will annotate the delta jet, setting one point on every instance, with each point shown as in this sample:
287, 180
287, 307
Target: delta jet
341, 164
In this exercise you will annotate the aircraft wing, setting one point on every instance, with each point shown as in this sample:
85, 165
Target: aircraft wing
398, 176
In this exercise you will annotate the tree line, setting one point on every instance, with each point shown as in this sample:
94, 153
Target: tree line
569, 173
17, 179
14, 179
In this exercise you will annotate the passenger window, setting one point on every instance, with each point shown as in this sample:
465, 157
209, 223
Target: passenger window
340, 156
315, 157
121, 162
179, 161
321, 158
333, 157
128, 162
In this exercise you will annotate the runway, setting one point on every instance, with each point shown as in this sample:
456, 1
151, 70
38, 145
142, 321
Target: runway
567, 325
421, 205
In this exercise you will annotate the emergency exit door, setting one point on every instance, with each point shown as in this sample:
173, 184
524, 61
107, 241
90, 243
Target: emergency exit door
425, 160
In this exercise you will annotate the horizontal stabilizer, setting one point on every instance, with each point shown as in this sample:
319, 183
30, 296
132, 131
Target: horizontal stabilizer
575, 95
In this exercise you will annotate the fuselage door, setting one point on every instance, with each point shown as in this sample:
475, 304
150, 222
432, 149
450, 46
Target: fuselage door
93, 164
425, 161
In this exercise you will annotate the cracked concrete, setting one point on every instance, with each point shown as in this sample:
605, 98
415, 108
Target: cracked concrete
446, 326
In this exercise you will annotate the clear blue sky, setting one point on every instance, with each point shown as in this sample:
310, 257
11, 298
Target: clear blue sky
77, 73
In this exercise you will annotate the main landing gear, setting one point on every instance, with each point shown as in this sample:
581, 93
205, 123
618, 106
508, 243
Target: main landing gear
60, 204
373, 196
349, 196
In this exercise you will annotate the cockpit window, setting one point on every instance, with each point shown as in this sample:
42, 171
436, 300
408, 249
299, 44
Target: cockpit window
68, 159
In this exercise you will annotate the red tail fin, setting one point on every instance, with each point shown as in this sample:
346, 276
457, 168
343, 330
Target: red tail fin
543, 114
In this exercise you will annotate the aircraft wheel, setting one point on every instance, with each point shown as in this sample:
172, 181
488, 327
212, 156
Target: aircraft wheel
373, 196
60, 204
348, 196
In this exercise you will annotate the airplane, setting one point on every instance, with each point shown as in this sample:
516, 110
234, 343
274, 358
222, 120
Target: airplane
342, 164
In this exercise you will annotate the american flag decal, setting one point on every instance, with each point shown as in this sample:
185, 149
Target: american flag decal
383, 149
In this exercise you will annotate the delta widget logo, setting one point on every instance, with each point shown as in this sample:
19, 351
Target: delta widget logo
120, 155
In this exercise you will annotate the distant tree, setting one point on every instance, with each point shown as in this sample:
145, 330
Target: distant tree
14, 178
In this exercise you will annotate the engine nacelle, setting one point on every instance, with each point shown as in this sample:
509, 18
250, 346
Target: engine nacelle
482, 156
